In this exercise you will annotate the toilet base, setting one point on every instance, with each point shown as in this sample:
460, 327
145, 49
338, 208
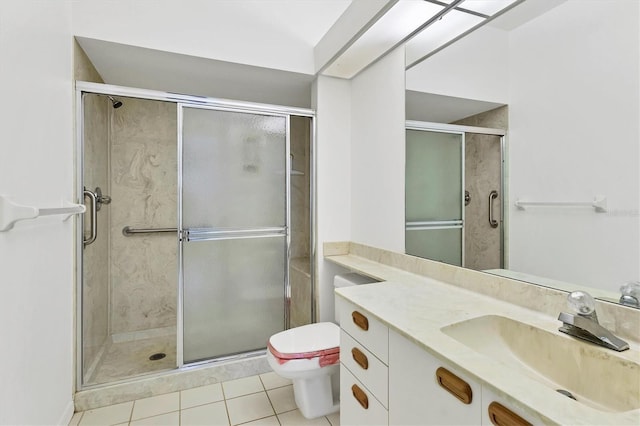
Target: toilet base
318, 396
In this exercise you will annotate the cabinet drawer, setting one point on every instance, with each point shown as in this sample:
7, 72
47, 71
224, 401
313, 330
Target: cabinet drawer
365, 328
357, 405
372, 372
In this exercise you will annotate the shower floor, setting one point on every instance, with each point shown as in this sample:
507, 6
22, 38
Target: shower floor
127, 359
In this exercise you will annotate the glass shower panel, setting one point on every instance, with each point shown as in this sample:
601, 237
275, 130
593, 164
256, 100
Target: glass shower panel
233, 169
234, 227
442, 245
434, 195
233, 295
433, 176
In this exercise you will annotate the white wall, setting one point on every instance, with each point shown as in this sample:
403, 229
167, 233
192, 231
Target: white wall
377, 154
574, 133
476, 67
332, 102
254, 33
36, 257
360, 158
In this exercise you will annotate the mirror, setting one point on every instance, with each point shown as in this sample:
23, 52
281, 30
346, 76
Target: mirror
568, 73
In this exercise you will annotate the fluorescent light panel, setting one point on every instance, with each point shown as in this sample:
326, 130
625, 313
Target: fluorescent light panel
392, 28
440, 32
486, 7
452, 25
405, 17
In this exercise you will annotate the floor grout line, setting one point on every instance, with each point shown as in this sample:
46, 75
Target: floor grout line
131, 412
224, 400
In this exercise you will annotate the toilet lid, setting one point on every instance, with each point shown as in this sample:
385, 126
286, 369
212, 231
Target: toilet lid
306, 341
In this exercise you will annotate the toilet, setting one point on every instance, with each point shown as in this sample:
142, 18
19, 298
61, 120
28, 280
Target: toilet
309, 356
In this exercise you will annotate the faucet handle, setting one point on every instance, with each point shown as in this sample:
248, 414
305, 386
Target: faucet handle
631, 289
630, 294
582, 303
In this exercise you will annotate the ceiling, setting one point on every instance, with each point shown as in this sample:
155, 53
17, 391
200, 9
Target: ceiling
132, 66
119, 35
221, 48
434, 108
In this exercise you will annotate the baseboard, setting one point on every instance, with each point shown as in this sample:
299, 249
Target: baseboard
67, 414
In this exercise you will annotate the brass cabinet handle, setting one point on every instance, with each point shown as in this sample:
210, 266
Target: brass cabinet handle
454, 385
360, 396
502, 416
360, 320
360, 358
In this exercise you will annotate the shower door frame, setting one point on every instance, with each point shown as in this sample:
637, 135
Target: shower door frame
83, 87
457, 128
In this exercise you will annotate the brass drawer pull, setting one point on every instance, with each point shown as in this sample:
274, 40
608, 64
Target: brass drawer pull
360, 396
360, 358
454, 385
360, 320
502, 416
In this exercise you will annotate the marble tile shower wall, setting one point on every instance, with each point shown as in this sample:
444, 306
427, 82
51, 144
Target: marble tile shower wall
144, 195
482, 175
300, 145
95, 295
300, 270
96, 271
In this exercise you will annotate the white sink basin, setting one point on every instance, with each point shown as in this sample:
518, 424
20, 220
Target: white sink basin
595, 376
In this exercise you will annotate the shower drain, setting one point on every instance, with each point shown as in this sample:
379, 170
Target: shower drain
157, 356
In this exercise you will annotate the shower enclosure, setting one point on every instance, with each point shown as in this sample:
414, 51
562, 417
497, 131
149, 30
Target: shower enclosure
453, 194
196, 223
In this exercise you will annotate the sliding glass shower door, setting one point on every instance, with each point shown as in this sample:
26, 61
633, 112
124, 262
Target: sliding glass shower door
234, 227
434, 195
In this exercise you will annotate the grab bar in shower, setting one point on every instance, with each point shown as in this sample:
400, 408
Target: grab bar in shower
10, 212
93, 232
128, 231
492, 196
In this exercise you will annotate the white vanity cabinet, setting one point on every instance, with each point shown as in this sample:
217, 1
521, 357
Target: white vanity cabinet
386, 379
364, 368
416, 396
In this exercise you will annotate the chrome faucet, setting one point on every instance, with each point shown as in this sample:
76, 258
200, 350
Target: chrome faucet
583, 323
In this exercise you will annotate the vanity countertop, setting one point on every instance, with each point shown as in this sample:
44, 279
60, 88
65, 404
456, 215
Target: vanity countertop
418, 307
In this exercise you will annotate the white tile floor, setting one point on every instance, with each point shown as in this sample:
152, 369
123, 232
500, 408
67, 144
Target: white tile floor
257, 400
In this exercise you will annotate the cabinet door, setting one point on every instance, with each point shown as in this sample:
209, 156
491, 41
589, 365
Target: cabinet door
416, 397
506, 413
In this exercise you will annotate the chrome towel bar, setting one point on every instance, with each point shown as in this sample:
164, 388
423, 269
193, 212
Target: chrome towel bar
128, 231
599, 203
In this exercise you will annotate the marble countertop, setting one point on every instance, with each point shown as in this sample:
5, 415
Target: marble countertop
418, 307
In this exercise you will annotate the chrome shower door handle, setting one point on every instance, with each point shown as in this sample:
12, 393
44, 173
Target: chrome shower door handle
492, 196
94, 217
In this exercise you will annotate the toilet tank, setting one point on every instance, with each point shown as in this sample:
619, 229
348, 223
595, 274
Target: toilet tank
347, 280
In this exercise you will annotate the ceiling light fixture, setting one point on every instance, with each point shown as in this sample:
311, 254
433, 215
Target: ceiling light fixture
425, 26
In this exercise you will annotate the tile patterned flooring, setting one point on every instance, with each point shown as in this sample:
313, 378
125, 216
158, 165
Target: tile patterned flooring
266, 399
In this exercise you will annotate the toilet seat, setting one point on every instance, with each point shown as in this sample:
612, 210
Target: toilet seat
320, 340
